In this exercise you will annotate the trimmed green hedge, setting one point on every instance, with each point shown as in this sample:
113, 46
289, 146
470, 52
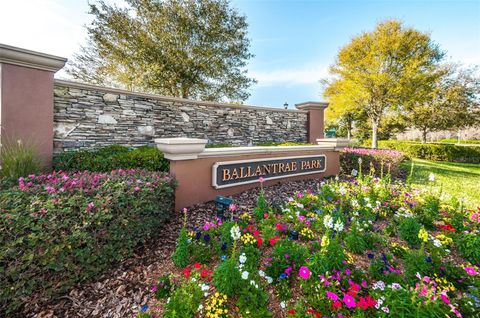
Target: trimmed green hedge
110, 158
435, 152
454, 141
59, 229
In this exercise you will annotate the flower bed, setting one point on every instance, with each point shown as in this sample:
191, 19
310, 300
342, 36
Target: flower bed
366, 248
356, 160
61, 228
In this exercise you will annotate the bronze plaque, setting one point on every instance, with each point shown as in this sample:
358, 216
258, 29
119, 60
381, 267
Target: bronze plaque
232, 173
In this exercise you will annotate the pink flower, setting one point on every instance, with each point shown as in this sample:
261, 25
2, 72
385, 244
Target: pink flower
444, 298
90, 206
349, 301
136, 189
332, 296
232, 207
261, 180
288, 270
471, 271
304, 272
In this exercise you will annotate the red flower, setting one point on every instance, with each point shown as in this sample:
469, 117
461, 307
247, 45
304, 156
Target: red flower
256, 233
279, 227
186, 272
313, 312
337, 304
265, 215
366, 302
447, 227
259, 242
291, 312
197, 265
273, 240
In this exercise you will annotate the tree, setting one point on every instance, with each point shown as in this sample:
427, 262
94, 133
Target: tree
183, 48
378, 71
452, 103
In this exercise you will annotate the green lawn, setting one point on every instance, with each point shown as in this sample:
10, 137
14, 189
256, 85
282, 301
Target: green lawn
460, 180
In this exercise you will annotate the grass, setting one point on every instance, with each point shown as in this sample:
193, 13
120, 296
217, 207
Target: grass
458, 180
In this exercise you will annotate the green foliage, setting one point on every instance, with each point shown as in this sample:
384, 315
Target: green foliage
226, 277
429, 211
416, 262
436, 152
408, 230
297, 255
261, 207
253, 302
190, 49
164, 287
461, 141
469, 246
181, 256
355, 242
59, 229
111, 158
184, 301
328, 259
18, 160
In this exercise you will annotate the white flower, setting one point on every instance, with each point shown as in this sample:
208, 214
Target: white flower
282, 304
235, 232
168, 300
269, 279
369, 205
342, 191
379, 285
354, 203
194, 279
354, 172
328, 221
245, 275
243, 258
395, 286
200, 307
299, 205
437, 243
338, 226
261, 273
431, 177
252, 282
204, 287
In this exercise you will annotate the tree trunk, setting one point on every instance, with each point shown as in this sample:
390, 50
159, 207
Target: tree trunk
349, 130
424, 136
375, 124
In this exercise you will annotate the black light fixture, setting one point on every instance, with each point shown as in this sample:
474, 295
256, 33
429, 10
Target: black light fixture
222, 204
285, 105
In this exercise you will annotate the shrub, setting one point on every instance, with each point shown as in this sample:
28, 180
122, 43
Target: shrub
184, 301
18, 160
469, 245
110, 158
436, 152
227, 277
383, 161
59, 229
181, 256
408, 230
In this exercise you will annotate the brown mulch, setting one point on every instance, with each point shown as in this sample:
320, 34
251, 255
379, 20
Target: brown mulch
121, 291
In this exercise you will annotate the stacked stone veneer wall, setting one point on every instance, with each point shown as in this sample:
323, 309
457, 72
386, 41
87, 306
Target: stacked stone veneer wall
88, 116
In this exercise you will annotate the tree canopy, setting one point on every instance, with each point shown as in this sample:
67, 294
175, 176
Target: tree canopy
183, 48
382, 71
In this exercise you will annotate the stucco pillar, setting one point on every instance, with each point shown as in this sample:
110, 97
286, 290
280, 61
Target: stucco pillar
26, 98
316, 117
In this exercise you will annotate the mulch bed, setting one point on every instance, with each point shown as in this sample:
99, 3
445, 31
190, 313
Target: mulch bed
121, 291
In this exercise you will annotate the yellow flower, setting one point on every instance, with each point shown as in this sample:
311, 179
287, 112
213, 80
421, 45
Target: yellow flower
325, 241
423, 235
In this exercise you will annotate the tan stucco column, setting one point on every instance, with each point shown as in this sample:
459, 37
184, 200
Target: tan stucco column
316, 117
26, 98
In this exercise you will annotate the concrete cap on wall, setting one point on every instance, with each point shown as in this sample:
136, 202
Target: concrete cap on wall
181, 148
32, 59
337, 143
312, 105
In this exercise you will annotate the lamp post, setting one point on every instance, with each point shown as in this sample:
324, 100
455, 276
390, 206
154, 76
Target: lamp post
285, 105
